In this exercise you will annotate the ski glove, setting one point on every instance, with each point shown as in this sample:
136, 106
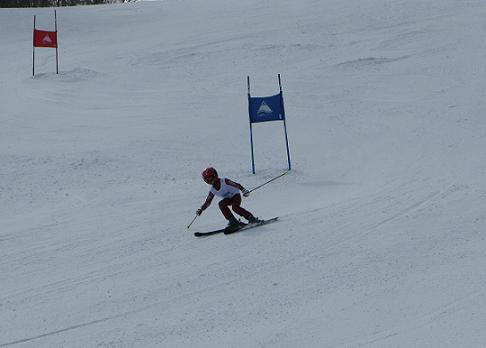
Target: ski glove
199, 211
246, 193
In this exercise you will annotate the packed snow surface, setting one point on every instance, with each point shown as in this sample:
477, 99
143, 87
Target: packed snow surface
381, 237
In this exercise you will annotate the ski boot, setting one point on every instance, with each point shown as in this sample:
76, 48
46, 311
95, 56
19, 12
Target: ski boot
233, 226
254, 220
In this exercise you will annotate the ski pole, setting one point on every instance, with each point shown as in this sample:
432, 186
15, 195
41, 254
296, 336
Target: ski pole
269, 181
195, 217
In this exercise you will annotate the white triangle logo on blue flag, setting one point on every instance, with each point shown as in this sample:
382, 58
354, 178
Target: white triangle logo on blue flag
264, 109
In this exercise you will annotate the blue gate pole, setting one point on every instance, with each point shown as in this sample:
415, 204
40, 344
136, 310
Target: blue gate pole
285, 124
251, 128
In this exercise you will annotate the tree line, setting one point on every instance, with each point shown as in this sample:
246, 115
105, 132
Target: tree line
51, 3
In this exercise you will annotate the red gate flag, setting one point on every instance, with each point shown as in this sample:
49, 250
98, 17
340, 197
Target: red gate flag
44, 38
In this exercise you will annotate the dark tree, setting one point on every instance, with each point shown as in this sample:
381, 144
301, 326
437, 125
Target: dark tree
47, 3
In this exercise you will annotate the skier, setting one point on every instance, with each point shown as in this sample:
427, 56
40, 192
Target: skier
230, 192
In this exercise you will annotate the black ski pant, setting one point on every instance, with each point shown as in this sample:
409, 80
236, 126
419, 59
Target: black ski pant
235, 203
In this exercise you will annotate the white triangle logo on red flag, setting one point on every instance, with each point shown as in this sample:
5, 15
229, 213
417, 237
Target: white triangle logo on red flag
47, 39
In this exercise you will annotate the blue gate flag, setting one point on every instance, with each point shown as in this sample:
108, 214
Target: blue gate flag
263, 109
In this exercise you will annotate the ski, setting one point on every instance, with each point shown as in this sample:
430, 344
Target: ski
248, 226
243, 227
205, 234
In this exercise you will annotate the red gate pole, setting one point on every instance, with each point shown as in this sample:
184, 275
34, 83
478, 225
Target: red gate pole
57, 42
33, 50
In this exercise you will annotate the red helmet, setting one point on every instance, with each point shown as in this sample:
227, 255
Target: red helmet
208, 174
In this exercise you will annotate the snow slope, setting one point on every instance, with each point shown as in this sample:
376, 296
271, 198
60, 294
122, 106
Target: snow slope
381, 241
